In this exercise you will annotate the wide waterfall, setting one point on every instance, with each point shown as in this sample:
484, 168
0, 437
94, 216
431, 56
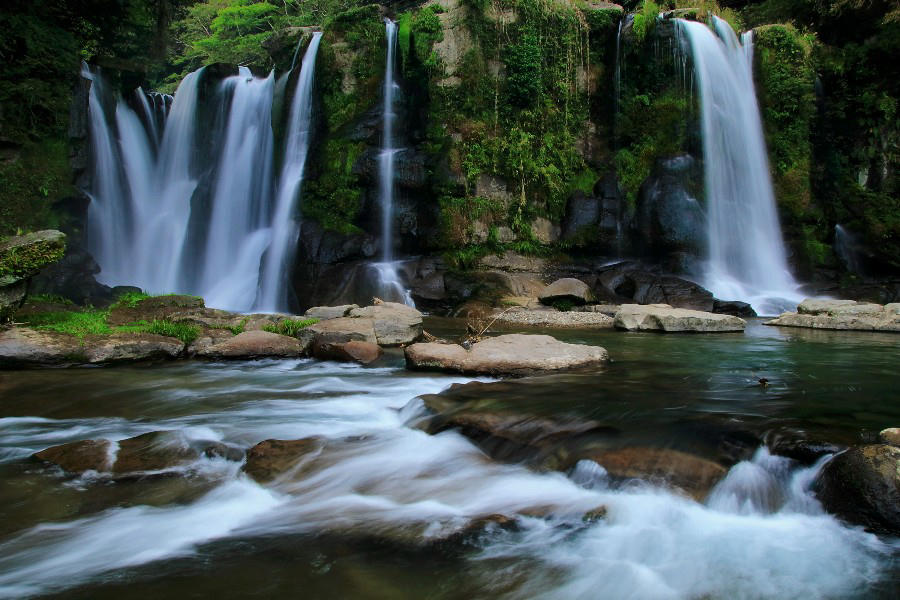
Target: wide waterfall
169, 217
747, 258
389, 284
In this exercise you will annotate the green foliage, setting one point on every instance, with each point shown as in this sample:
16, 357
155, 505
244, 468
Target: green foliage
563, 305
334, 199
129, 299
30, 183
290, 327
26, 260
523, 70
184, 332
49, 299
77, 323
645, 20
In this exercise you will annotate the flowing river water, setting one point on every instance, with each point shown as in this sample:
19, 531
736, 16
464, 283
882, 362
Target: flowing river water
363, 519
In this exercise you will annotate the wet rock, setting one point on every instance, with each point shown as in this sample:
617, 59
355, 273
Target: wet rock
556, 319
694, 475
662, 317
842, 315
633, 281
353, 351
271, 459
734, 308
862, 485
131, 347
22, 257
595, 514
78, 457
24, 347
514, 354
343, 329
472, 531
395, 324
73, 277
329, 312
254, 344
567, 290
890, 436
582, 212
207, 339
804, 451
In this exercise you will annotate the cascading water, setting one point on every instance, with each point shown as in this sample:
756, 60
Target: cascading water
146, 173
747, 259
273, 294
389, 285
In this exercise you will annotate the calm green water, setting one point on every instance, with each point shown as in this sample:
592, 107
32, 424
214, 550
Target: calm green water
363, 520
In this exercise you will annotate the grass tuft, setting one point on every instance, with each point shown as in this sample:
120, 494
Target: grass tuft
290, 327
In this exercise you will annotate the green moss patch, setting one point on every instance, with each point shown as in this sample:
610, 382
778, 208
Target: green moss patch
290, 327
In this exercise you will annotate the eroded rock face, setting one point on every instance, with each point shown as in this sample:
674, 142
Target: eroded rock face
23, 347
271, 459
862, 485
394, 324
662, 317
514, 354
567, 289
254, 344
842, 314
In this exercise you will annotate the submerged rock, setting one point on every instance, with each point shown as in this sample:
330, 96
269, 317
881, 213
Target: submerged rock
862, 485
842, 314
567, 289
514, 354
254, 344
662, 317
271, 459
395, 324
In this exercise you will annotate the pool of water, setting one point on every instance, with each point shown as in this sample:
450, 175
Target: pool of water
366, 519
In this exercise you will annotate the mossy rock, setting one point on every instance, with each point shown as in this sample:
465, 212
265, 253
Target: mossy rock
21, 257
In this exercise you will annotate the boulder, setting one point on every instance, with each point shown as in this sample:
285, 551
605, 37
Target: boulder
343, 329
862, 485
842, 315
395, 324
271, 459
734, 308
633, 281
694, 475
131, 347
556, 319
567, 290
890, 436
78, 457
154, 308
73, 277
582, 212
329, 312
23, 347
514, 354
22, 257
253, 344
353, 351
662, 317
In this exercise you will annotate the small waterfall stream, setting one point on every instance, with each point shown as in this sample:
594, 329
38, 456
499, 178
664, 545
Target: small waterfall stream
747, 259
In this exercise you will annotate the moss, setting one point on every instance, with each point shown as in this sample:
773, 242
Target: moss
76, 323
185, 333
23, 260
290, 327
334, 199
36, 177
49, 299
130, 299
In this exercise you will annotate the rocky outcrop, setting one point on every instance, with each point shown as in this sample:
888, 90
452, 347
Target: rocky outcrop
21, 258
255, 344
567, 289
25, 347
329, 312
73, 277
842, 314
634, 281
514, 354
395, 324
862, 485
131, 347
555, 319
662, 317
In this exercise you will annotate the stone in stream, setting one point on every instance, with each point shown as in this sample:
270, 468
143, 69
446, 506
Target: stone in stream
270, 459
514, 355
395, 324
662, 317
567, 289
254, 344
862, 485
554, 319
353, 351
843, 315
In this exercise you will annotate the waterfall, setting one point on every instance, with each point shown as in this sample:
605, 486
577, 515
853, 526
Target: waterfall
747, 259
389, 284
276, 272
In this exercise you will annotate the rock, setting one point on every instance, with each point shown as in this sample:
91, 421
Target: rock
131, 347
78, 457
862, 485
154, 451
545, 231
343, 329
513, 354
631, 280
395, 324
73, 277
354, 351
843, 315
582, 212
512, 262
890, 436
694, 475
22, 257
154, 308
556, 319
734, 308
804, 451
329, 312
567, 290
253, 344
270, 459
662, 317
609, 310
24, 347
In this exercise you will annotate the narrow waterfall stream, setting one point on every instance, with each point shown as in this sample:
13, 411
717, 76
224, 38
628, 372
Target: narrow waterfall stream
143, 228
747, 259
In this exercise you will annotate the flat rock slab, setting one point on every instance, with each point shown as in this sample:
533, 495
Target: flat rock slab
557, 319
395, 324
25, 347
253, 344
847, 315
343, 329
329, 312
662, 317
514, 354
131, 347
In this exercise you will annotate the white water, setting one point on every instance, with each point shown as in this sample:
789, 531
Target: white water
760, 535
285, 225
747, 259
389, 284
